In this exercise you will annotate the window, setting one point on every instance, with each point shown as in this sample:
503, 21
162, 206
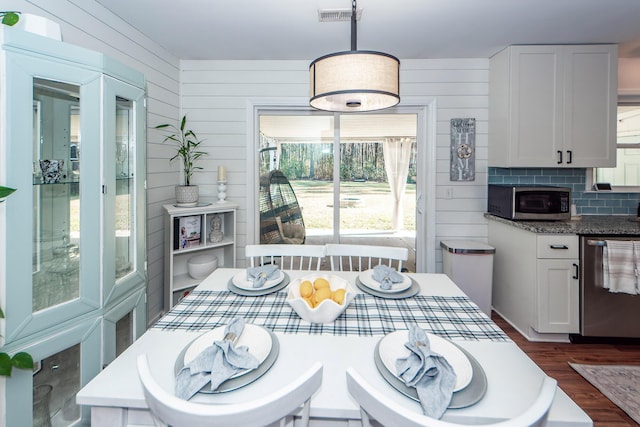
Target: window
627, 172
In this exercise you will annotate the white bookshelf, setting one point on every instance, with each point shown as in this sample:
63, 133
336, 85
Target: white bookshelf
178, 249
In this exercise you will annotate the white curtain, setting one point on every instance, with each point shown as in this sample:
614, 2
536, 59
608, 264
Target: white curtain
397, 153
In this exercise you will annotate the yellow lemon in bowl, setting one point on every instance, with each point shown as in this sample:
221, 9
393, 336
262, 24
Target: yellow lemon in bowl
309, 301
338, 296
320, 283
321, 295
306, 289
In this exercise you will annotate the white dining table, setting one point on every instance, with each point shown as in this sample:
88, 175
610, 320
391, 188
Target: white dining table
513, 379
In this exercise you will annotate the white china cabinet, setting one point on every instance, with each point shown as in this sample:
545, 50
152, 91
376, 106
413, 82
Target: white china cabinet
72, 245
553, 106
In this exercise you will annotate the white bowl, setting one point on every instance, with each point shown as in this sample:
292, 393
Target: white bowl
200, 266
328, 310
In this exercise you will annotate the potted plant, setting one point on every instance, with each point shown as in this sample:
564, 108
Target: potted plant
187, 144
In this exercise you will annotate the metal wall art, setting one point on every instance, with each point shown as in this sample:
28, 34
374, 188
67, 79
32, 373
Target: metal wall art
463, 150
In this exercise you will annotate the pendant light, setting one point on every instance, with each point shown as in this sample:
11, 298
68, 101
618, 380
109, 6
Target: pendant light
354, 80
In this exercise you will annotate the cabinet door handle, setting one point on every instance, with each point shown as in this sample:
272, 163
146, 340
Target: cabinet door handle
559, 246
559, 157
570, 156
577, 271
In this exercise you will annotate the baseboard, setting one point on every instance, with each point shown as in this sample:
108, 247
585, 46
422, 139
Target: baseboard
579, 339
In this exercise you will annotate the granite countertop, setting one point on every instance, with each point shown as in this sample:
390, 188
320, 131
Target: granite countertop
587, 225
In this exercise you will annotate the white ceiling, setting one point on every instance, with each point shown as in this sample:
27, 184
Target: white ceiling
408, 29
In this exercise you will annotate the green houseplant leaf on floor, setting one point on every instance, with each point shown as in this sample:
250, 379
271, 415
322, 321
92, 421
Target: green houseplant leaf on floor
187, 146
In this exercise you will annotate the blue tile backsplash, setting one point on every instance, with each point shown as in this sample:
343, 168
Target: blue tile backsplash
587, 202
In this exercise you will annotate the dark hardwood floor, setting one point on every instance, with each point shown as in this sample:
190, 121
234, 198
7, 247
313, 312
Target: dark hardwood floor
553, 358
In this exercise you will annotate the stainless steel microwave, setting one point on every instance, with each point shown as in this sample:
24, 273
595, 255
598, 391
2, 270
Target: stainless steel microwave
529, 202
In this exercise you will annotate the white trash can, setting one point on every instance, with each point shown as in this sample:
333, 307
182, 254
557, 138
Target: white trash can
470, 265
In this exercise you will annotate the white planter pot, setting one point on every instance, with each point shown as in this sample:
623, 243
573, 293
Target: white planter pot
186, 195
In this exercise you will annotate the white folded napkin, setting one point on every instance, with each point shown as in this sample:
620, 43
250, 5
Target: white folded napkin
215, 364
260, 275
386, 276
430, 374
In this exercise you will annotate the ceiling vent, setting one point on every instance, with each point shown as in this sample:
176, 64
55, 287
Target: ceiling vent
337, 15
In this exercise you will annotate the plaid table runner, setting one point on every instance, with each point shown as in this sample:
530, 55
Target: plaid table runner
450, 317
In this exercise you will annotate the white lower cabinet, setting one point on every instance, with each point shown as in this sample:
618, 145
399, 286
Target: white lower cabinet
557, 298
536, 281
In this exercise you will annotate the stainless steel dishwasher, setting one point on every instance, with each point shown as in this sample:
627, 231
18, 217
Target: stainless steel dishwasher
603, 313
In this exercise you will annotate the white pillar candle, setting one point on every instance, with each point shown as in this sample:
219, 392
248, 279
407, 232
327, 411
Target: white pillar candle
222, 173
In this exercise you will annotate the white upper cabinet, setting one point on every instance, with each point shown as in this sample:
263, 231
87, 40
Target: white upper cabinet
553, 106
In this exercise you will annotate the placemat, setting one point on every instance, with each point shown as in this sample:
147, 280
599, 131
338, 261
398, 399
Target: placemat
450, 317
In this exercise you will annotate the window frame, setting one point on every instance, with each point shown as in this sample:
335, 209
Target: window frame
623, 100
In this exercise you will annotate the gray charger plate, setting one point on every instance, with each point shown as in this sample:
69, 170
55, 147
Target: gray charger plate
243, 380
468, 396
413, 290
248, 293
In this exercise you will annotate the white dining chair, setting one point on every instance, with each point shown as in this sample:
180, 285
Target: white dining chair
375, 405
290, 257
364, 257
280, 405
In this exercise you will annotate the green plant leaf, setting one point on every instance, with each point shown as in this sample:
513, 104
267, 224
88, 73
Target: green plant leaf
22, 360
5, 191
1, 314
5, 365
186, 146
10, 18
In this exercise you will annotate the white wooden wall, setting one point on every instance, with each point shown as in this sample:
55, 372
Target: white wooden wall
215, 95
88, 24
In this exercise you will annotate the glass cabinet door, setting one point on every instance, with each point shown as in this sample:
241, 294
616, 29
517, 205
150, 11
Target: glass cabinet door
56, 195
124, 258
55, 216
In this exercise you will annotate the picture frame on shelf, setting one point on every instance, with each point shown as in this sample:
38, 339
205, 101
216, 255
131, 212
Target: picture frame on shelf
187, 232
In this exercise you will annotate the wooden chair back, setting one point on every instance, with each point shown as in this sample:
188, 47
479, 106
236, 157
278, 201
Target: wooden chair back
288, 257
168, 409
345, 257
374, 404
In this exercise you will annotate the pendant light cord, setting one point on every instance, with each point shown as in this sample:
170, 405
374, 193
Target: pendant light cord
354, 36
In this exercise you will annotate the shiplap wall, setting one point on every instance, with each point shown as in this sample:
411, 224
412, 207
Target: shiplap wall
215, 96
88, 24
